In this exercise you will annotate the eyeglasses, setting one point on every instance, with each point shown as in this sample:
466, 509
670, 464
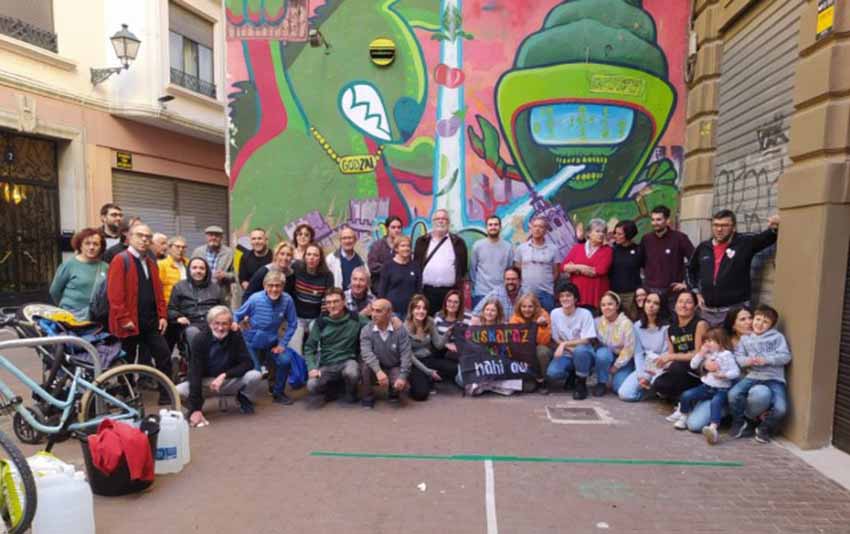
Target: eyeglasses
179, 246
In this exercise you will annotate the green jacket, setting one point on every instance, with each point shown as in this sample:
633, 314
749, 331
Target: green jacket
336, 342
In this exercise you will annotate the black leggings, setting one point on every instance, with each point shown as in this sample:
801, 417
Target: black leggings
677, 379
420, 383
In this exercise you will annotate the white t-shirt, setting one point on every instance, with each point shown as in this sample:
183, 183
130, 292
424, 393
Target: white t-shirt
579, 325
440, 271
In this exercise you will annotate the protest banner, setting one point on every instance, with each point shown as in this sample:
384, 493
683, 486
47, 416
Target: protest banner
496, 352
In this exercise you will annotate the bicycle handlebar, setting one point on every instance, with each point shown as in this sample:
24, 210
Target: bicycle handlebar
55, 340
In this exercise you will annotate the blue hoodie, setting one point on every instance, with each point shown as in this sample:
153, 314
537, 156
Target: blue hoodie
266, 317
772, 346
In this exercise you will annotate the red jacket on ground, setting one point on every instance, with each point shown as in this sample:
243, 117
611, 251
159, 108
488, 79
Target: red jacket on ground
114, 440
590, 289
122, 291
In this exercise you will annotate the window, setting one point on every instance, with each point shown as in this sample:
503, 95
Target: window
30, 21
190, 45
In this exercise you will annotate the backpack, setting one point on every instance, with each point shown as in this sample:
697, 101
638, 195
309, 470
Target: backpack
99, 304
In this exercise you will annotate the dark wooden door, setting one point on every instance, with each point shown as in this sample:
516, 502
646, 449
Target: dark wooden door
29, 218
841, 419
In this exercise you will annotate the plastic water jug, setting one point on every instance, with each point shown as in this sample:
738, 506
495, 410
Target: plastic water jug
172, 448
65, 504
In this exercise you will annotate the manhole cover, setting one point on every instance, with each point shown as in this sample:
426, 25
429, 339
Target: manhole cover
564, 413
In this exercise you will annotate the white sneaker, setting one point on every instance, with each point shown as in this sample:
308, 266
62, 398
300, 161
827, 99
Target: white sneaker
682, 422
673, 417
710, 433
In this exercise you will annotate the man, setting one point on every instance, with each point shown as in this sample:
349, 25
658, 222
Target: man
490, 258
358, 296
720, 268
539, 261
331, 350
137, 311
665, 252
443, 258
219, 257
120, 246
111, 217
507, 294
159, 246
386, 355
219, 365
342, 262
259, 255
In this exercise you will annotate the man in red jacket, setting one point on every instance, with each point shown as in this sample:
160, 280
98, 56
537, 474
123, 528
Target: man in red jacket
137, 310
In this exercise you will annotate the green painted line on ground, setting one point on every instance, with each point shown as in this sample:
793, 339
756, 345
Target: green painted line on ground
520, 459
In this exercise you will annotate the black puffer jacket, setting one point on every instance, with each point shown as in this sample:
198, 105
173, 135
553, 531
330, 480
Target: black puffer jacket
192, 299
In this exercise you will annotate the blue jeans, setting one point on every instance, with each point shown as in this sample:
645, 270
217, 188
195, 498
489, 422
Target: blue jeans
691, 397
756, 405
603, 360
630, 390
772, 394
547, 300
282, 363
580, 361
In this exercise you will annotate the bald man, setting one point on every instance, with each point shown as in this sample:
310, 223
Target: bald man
385, 353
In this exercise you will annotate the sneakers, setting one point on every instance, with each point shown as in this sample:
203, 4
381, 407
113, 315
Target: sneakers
245, 404
282, 399
738, 429
600, 389
367, 403
762, 434
673, 417
682, 422
542, 389
710, 433
264, 371
580, 392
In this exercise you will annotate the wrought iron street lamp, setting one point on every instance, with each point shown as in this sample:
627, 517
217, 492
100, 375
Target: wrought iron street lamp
126, 47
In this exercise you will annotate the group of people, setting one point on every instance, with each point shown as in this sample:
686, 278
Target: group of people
655, 318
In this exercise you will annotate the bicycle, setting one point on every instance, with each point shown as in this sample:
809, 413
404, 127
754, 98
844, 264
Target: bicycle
133, 389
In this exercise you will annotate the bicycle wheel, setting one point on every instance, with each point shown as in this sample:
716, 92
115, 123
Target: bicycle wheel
18, 488
139, 386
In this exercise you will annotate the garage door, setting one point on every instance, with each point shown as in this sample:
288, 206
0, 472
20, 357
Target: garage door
173, 207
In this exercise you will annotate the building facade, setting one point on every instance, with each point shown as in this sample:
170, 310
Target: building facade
768, 132
150, 138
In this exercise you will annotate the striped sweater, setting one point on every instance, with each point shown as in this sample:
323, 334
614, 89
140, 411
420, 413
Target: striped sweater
310, 291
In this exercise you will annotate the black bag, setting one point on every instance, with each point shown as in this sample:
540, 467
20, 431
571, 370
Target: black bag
99, 304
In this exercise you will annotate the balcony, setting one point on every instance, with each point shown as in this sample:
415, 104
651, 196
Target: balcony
23, 31
193, 83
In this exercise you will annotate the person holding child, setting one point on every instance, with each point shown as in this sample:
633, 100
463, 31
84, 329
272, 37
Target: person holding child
763, 354
719, 369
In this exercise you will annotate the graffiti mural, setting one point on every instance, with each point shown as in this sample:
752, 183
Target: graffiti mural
567, 109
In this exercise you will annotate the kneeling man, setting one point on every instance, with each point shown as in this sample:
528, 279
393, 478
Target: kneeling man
219, 365
386, 354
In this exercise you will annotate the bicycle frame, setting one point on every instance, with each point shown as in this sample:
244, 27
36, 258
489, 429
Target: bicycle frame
67, 405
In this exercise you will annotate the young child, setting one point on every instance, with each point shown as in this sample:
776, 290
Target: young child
763, 354
719, 369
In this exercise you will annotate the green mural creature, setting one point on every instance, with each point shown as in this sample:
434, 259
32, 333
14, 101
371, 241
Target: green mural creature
321, 125
589, 91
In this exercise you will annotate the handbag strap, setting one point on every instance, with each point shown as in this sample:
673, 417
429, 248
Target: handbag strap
431, 255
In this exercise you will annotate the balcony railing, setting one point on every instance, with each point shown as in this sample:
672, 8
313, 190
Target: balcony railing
193, 83
26, 32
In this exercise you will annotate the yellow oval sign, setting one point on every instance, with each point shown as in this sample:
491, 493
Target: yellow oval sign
382, 51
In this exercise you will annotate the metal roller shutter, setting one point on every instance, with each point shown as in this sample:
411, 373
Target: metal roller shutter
199, 206
754, 110
152, 199
841, 421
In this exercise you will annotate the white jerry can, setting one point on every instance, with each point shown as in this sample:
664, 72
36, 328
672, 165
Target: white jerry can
172, 448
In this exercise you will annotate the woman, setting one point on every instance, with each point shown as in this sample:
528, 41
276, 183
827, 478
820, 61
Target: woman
401, 278
428, 368
640, 298
192, 298
491, 314
588, 264
312, 281
304, 235
738, 323
685, 334
381, 252
651, 340
445, 320
75, 281
627, 260
172, 268
529, 311
284, 253
616, 335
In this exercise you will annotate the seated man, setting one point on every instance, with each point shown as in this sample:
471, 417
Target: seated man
220, 365
386, 354
331, 350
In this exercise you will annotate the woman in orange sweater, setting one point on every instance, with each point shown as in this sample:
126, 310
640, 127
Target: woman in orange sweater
526, 311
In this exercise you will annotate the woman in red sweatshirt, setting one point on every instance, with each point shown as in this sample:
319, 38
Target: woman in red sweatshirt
588, 263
